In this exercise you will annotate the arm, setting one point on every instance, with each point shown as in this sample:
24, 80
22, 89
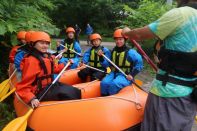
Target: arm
30, 69
58, 67
17, 60
139, 33
77, 48
161, 28
137, 61
86, 56
59, 48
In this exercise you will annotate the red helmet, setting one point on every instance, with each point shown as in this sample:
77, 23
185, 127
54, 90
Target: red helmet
95, 36
118, 33
70, 29
21, 34
40, 36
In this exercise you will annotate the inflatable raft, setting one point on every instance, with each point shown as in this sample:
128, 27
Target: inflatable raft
91, 113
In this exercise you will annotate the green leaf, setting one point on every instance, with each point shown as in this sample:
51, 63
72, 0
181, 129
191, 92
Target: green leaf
10, 28
2, 29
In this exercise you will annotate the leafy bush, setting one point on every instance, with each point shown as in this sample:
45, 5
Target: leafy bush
147, 12
7, 112
25, 15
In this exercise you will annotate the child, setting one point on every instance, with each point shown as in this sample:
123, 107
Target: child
92, 58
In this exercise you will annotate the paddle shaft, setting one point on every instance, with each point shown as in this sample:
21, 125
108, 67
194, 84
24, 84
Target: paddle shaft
59, 55
10, 92
7, 83
72, 50
13, 90
94, 68
85, 65
144, 55
114, 65
20, 123
54, 81
119, 69
13, 73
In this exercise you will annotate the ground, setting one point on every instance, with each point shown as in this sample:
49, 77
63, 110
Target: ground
144, 76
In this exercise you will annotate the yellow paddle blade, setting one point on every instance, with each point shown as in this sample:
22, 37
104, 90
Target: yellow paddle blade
3, 84
196, 119
5, 96
139, 82
108, 70
18, 124
4, 88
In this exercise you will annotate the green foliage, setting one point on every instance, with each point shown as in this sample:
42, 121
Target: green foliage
101, 14
147, 12
47, 15
25, 15
6, 112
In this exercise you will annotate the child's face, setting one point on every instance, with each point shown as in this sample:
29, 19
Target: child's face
119, 41
96, 42
70, 35
42, 46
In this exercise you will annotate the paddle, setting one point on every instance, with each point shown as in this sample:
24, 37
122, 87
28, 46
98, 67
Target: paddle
7, 94
144, 55
3, 86
95, 68
4, 94
20, 123
147, 58
120, 70
85, 65
72, 50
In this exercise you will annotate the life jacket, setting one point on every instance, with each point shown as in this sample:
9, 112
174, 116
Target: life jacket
120, 59
94, 59
13, 52
25, 48
183, 64
48, 68
69, 54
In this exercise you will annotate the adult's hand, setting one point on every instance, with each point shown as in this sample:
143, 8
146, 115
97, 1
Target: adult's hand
125, 31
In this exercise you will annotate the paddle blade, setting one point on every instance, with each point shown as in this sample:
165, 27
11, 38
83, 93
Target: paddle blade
4, 88
18, 124
8, 94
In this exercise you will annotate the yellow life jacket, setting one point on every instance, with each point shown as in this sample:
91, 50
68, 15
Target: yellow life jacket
68, 53
120, 59
94, 59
